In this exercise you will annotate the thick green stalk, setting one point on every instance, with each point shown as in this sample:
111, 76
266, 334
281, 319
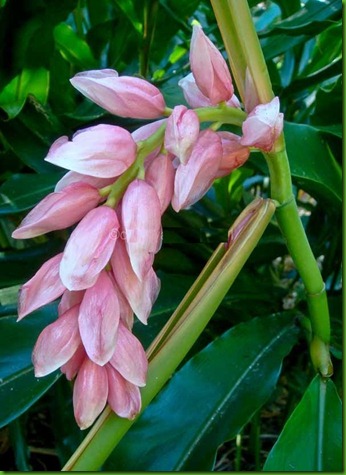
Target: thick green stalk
110, 429
237, 29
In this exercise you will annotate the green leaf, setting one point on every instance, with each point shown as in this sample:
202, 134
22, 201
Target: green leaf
23, 191
73, 48
19, 388
311, 440
312, 163
209, 400
33, 82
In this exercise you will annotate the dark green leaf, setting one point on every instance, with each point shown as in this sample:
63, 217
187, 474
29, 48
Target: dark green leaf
209, 400
19, 388
311, 440
22, 192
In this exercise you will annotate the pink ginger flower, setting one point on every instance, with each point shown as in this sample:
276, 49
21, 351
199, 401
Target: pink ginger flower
90, 393
89, 248
195, 97
140, 294
141, 220
72, 366
58, 210
160, 174
75, 177
181, 132
99, 319
124, 96
69, 299
209, 68
129, 357
195, 178
233, 153
102, 151
44, 287
124, 397
263, 126
57, 343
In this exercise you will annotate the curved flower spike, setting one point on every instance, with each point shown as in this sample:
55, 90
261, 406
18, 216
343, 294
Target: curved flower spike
209, 68
44, 287
181, 132
99, 319
263, 126
141, 220
102, 151
58, 210
90, 392
89, 248
57, 343
194, 179
124, 96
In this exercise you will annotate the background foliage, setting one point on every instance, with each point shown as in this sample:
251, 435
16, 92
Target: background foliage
248, 377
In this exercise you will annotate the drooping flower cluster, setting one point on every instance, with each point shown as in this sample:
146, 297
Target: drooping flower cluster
115, 192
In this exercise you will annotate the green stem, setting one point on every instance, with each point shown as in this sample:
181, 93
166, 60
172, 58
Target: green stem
109, 429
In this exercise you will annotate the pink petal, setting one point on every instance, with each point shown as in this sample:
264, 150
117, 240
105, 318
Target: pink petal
123, 96
123, 397
194, 179
99, 319
41, 289
141, 295
90, 393
58, 210
263, 126
141, 219
72, 366
160, 175
233, 153
210, 70
89, 248
57, 343
102, 151
181, 132
74, 177
129, 357
69, 299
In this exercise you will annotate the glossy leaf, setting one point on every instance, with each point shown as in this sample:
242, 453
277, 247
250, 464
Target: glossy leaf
73, 48
209, 400
19, 389
22, 192
312, 437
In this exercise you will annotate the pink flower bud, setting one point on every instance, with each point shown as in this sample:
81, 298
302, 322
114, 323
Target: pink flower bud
209, 68
141, 219
160, 175
90, 393
89, 248
123, 96
41, 289
125, 311
99, 319
144, 132
234, 154
195, 98
263, 126
181, 132
72, 366
57, 343
129, 357
58, 210
194, 179
74, 177
123, 397
141, 295
102, 151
